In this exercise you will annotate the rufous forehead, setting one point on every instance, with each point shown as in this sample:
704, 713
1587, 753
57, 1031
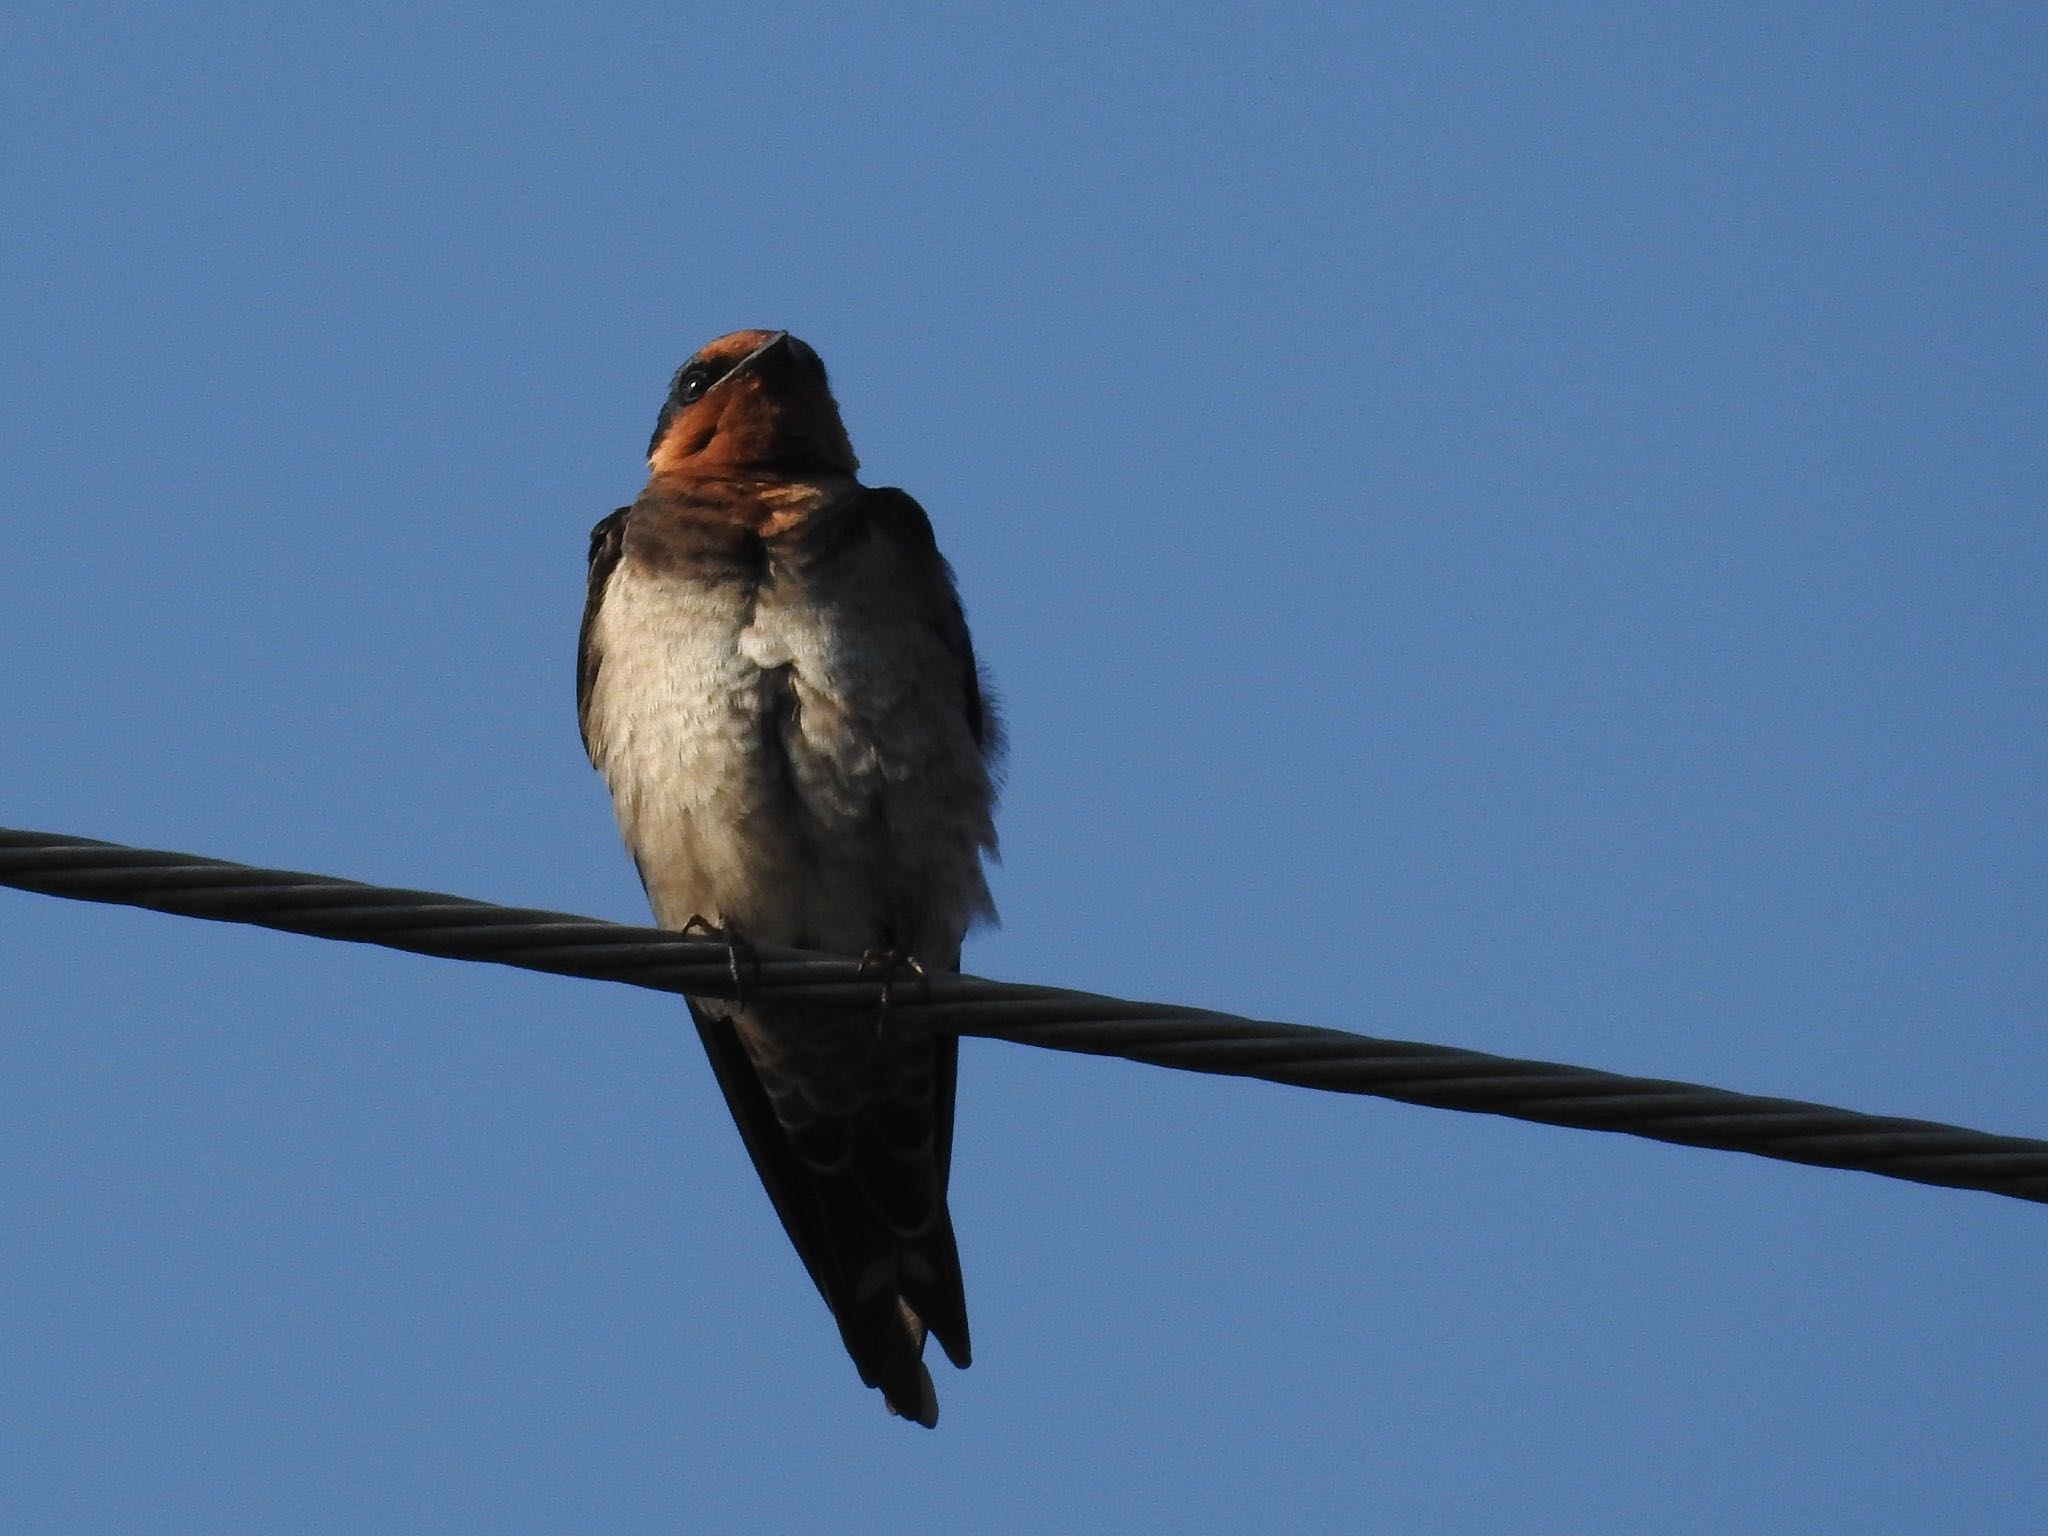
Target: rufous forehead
733, 346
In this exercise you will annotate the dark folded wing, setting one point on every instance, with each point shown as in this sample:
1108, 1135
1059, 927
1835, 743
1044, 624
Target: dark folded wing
897, 515
607, 543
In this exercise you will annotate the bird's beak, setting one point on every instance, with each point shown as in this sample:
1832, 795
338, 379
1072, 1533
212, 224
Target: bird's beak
748, 363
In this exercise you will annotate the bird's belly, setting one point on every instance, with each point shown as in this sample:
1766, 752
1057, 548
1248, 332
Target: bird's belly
770, 775
679, 734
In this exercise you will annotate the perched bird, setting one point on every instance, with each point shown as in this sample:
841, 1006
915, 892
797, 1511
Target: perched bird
776, 681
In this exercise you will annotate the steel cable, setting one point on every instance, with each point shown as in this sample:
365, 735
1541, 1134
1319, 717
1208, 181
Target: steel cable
1195, 1040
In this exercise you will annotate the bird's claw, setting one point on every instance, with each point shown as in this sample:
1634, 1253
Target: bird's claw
890, 961
735, 945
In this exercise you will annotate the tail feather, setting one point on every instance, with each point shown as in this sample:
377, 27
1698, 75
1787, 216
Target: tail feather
932, 1288
862, 1196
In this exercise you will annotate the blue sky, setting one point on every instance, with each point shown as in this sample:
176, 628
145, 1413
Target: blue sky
1515, 528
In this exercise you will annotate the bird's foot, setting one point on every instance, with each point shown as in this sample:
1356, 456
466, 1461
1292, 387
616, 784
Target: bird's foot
892, 962
736, 947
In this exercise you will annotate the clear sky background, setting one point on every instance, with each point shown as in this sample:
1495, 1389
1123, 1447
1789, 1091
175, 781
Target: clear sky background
1518, 530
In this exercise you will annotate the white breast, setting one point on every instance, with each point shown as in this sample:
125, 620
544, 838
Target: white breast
795, 761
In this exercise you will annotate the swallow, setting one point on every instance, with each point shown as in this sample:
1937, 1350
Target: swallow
776, 681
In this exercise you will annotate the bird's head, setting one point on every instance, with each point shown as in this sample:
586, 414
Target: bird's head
751, 403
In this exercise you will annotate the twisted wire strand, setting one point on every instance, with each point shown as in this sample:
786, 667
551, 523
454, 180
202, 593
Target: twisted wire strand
1191, 1039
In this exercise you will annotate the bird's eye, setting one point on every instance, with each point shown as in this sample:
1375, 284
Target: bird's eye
691, 384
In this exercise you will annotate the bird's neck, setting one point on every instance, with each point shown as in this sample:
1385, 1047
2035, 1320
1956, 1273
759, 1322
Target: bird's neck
761, 502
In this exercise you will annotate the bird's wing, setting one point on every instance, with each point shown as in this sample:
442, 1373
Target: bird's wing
896, 515
607, 544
